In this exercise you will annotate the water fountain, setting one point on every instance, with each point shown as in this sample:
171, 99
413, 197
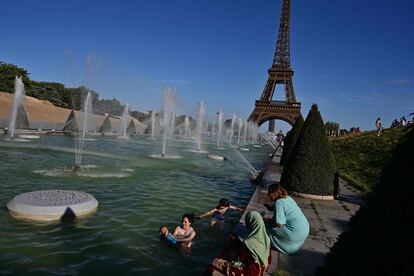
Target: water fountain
18, 118
166, 124
152, 124
219, 127
239, 130
155, 182
233, 120
124, 123
200, 120
80, 140
172, 127
245, 126
245, 132
186, 125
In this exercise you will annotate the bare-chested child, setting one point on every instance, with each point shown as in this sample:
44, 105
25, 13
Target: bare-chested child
217, 213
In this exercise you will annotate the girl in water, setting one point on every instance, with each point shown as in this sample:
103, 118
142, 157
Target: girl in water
217, 213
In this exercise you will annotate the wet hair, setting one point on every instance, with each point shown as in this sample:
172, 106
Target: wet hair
162, 227
223, 202
189, 216
278, 189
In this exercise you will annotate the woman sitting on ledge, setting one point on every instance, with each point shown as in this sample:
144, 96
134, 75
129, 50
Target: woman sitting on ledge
253, 257
288, 228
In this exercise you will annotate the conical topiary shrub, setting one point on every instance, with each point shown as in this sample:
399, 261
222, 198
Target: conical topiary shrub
380, 234
106, 125
290, 140
71, 123
311, 168
131, 127
21, 119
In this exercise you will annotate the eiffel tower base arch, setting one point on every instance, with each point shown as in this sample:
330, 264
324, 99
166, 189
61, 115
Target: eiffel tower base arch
278, 110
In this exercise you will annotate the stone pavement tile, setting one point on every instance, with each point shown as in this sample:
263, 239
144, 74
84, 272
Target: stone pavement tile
327, 220
350, 207
305, 261
274, 265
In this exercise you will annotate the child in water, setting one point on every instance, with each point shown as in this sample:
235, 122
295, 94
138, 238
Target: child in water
166, 235
218, 212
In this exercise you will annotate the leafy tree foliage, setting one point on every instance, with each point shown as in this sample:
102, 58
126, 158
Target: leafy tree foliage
311, 169
8, 73
291, 139
331, 127
56, 93
113, 107
380, 234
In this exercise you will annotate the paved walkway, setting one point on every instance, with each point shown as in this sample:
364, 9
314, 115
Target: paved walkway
327, 219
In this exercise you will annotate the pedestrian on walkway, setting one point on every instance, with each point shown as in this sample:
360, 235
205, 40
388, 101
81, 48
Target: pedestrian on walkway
288, 228
378, 125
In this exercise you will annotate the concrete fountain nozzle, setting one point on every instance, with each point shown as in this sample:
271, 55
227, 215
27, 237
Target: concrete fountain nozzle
50, 205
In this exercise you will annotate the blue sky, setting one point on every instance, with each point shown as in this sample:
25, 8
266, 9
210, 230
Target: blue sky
353, 58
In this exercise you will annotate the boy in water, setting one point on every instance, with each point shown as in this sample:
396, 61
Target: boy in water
166, 235
218, 212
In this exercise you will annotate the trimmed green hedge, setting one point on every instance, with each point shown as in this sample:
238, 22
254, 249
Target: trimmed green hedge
106, 125
291, 140
131, 127
311, 167
71, 123
380, 235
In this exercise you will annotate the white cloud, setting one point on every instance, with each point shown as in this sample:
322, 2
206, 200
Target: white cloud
398, 81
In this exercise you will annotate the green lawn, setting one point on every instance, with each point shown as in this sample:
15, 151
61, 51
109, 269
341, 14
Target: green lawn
360, 158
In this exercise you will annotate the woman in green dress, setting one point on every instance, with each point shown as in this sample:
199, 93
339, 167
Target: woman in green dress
288, 228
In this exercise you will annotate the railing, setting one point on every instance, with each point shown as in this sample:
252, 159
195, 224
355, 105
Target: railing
294, 104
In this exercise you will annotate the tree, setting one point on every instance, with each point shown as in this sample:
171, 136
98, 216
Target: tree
311, 169
331, 127
290, 140
380, 234
8, 73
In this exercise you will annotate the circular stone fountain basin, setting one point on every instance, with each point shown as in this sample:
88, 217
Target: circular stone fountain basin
51, 205
29, 136
216, 157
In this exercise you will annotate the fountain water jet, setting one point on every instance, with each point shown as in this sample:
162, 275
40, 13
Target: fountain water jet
124, 122
239, 129
233, 120
17, 108
172, 123
186, 124
219, 127
200, 119
80, 141
152, 124
245, 132
166, 120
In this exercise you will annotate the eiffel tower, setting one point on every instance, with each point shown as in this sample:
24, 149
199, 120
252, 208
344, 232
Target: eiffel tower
280, 73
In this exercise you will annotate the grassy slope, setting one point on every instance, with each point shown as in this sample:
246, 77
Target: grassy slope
360, 158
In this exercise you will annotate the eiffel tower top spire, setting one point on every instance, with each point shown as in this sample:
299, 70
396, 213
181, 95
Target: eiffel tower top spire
280, 73
281, 59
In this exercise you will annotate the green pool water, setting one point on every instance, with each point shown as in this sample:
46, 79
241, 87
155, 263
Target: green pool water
136, 193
